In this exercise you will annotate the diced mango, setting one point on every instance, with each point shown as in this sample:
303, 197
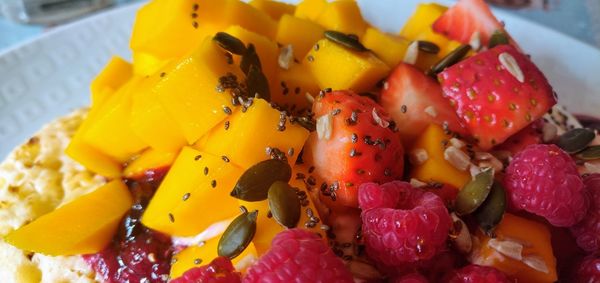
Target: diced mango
294, 85
148, 160
436, 168
302, 34
195, 256
310, 9
92, 159
343, 16
389, 48
360, 72
188, 90
422, 20
241, 143
193, 195
235, 12
274, 9
536, 244
85, 225
116, 72
145, 64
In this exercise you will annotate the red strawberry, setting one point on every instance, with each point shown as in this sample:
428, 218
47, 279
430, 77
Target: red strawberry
465, 18
531, 134
415, 100
497, 93
360, 148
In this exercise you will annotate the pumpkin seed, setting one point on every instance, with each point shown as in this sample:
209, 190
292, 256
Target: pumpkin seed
498, 38
250, 58
238, 235
590, 153
230, 43
257, 83
345, 40
254, 184
575, 140
452, 58
306, 122
474, 193
284, 204
428, 46
490, 213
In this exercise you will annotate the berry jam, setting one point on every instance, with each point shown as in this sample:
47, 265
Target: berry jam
136, 254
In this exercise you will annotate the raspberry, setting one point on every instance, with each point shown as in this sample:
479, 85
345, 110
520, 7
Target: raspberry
477, 274
386, 195
543, 179
589, 270
298, 255
410, 278
414, 228
587, 232
220, 270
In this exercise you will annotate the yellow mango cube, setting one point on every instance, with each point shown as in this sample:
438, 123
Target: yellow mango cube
422, 20
310, 9
343, 16
188, 90
274, 9
295, 84
337, 67
145, 64
302, 34
241, 143
116, 72
389, 48
85, 225
148, 160
92, 159
193, 195
436, 168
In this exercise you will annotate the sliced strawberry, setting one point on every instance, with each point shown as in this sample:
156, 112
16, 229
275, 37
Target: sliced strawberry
531, 134
465, 18
415, 100
361, 147
496, 93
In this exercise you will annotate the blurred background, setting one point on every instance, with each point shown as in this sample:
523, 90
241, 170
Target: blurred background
24, 19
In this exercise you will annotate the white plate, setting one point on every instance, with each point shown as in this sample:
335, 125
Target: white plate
49, 76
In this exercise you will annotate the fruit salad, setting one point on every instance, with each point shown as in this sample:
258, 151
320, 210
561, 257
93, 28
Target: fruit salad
271, 142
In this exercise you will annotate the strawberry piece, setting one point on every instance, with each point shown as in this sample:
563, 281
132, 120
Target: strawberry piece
531, 134
495, 99
361, 147
415, 100
465, 18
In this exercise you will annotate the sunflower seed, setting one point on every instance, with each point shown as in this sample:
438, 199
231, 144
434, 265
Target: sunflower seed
452, 58
457, 158
325, 126
460, 236
284, 204
345, 40
238, 235
411, 54
474, 193
498, 38
380, 121
418, 156
575, 140
286, 57
428, 46
536, 263
230, 43
508, 248
490, 213
510, 64
475, 40
254, 184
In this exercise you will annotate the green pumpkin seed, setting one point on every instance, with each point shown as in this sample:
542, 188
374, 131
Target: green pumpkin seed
250, 58
305, 122
490, 213
452, 58
575, 140
257, 83
230, 43
284, 204
474, 193
254, 184
428, 46
498, 38
345, 40
238, 235
590, 153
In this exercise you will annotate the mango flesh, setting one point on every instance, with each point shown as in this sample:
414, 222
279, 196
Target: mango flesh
145, 64
361, 70
295, 84
274, 9
116, 73
85, 225
302, 34
343, 16
436, 168
148, 160
535, 238
389, 48
422, 20
241, 143
310, 9
189, 200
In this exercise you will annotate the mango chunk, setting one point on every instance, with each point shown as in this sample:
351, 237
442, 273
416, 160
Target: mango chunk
148, 160
294, 86
389, 48
535, 263
85, 225
302, 34
310, 9
436, 168
92, 159
274, 9
422, 20
188, 90
145, 64
116, 73
343, 16
361, 70
193, 195
241, 143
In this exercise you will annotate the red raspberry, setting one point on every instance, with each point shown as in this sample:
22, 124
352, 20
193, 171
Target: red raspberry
386, 195
477, 274
589, 270
298, 255
414, 228
587, 231
410, 278
543, 179
220, 270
